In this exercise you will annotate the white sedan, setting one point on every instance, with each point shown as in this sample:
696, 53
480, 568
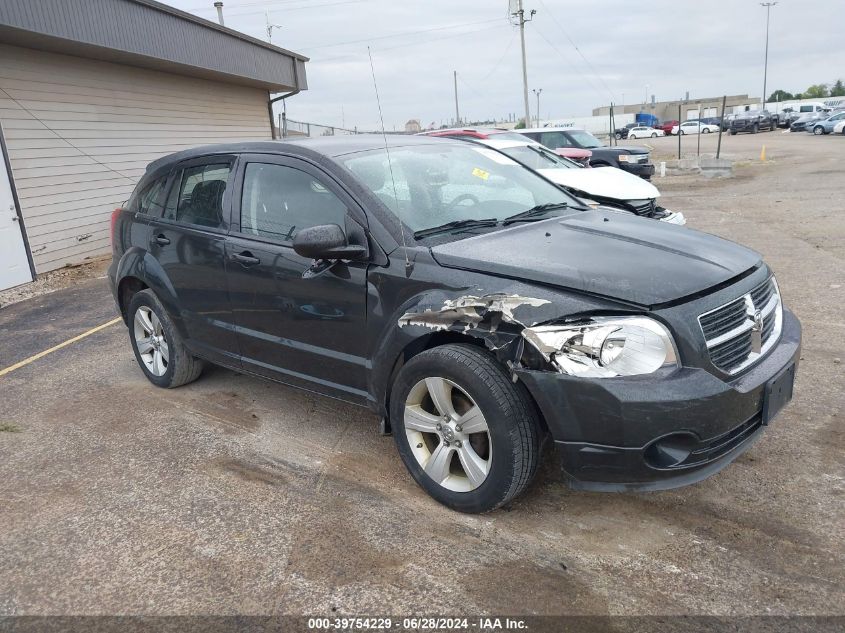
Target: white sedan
602, 186
839, 128
645, 132
694, 127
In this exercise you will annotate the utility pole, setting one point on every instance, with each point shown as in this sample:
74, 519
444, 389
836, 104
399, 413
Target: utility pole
520, 16
768, 6
457, 112
219, 6
537, 92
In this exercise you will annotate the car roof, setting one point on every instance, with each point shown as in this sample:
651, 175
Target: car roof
330, 146
551, 129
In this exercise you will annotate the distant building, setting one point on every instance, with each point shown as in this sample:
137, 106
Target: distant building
691, 109
413, 126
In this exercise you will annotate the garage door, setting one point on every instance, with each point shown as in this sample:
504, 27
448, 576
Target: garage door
81, 132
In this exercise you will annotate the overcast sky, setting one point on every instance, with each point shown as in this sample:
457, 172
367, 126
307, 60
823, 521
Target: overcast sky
626, 48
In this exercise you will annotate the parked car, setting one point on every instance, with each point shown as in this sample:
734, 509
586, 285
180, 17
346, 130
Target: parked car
726, 122
623, 132
644, 132
667, 126
475, 308
578, 154
753, 121
806, 121
826, 126
694, 127
635, 160
839, 128
609, 186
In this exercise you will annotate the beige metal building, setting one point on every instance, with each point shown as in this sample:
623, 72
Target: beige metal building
690, 109
92, 91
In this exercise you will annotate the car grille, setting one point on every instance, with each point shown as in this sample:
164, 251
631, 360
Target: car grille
645, 208
742, 331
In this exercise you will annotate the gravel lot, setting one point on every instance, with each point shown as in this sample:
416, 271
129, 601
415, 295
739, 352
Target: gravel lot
234, 495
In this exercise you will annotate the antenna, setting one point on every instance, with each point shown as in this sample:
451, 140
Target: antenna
270, 27
389, 162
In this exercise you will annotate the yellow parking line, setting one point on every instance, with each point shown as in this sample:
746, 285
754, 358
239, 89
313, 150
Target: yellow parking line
70, 341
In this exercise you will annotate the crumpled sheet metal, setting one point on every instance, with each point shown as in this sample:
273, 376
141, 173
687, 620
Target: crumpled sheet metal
469, 312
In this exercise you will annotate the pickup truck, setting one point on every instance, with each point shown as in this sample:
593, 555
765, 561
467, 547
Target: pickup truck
753, 121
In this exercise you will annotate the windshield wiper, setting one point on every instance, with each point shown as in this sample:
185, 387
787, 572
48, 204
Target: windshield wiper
452, 226
534, 213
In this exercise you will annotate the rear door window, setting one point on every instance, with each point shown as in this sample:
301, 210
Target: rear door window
555, 140
196, 196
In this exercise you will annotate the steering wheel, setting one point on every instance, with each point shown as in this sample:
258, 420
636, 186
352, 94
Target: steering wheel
462, 198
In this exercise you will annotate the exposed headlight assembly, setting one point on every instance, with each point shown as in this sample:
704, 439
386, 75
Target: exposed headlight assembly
604, 347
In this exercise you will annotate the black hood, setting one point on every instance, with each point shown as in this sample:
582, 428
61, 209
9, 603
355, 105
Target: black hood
605, 253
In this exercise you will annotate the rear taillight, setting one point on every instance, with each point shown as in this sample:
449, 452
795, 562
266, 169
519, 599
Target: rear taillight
114, 215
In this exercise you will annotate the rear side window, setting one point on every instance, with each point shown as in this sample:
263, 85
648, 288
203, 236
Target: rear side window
555, 140
149, 201
279, 201
197, 195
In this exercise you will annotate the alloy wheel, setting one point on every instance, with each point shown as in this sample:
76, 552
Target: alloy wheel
151, 342
448, 434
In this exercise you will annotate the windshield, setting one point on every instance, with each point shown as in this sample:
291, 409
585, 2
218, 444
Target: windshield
585, 139
510, 136
436, 184
537, 157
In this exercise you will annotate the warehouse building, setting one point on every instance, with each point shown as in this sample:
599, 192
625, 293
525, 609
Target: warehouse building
93, 90
689, 108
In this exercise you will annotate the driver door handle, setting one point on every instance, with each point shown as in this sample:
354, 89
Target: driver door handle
245, 259
161, 240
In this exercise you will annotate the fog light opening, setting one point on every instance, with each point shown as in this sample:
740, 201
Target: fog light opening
670, 451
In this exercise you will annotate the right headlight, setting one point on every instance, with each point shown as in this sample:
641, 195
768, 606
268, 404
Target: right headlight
604, 347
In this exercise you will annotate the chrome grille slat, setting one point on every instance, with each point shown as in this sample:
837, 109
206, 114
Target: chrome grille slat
730, 330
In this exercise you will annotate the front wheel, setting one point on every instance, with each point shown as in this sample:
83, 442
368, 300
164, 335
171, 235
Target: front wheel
755, 129
681, 132
618, 136
158, 348
466, 433
818, 130
706, 130
654, 135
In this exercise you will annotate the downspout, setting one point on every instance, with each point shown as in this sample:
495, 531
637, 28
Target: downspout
272, 100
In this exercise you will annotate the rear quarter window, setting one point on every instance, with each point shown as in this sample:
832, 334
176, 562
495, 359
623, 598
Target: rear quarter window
149, 200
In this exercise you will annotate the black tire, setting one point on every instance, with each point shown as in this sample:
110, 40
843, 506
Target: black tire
818, 130
755, 129
654, 135
733, 132
618, 136
513, 427
705, 130
182, 367
681, 132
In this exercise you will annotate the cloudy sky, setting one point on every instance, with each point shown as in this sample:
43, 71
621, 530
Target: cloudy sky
581, 53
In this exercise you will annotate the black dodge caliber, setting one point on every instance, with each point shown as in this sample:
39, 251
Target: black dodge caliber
474, 306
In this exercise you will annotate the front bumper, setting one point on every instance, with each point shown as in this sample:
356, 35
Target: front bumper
643, 170
610, 433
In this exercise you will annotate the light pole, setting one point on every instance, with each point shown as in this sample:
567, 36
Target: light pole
537, 92
768, 6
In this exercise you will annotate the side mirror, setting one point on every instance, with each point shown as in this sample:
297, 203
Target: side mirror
326, 241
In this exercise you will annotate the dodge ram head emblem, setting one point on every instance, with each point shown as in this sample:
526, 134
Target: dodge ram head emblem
757, 332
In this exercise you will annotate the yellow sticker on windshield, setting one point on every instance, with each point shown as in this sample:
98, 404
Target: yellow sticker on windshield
480, 173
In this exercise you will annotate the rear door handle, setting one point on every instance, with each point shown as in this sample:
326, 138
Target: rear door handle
161, 240
246, 259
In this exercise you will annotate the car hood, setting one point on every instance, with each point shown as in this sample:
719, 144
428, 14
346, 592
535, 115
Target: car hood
614, 255
607, 182
627, 149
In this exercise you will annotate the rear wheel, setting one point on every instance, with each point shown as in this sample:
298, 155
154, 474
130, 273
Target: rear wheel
705, 130
654, 135
158, 348
467, 434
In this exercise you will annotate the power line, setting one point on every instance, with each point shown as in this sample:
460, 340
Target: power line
403, 34
564, 58
578, 50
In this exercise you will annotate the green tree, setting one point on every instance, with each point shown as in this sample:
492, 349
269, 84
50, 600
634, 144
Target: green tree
817, 91
521, 125
838, 89
780, 95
